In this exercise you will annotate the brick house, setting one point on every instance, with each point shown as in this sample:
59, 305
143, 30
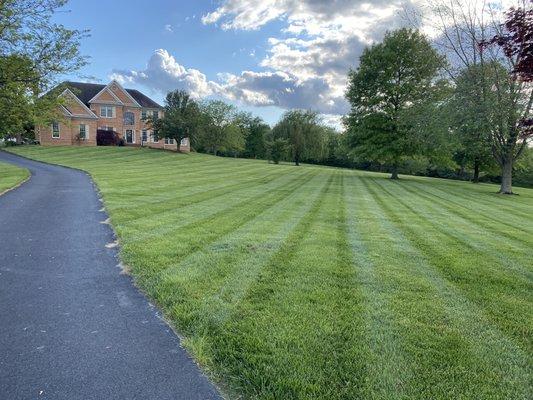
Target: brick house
88, 107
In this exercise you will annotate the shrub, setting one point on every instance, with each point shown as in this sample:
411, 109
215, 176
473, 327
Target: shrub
106, 138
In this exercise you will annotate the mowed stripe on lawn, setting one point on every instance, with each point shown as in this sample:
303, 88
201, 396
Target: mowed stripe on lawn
325, 283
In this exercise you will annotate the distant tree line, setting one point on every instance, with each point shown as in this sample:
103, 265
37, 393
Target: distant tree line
219, 128
457, 107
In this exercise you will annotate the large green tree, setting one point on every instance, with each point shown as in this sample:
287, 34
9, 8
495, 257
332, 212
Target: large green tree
306, 137
467, 37
181, 118
220, 132
255, 131
34, 52
472, 110
512, 125
390, 92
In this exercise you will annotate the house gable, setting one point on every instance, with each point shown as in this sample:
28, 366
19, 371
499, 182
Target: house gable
74, 106
106, 96
122, 94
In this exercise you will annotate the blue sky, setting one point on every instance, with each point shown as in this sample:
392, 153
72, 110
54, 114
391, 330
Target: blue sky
265, 56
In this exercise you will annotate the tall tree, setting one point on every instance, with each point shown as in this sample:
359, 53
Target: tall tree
470, 111
255, 131
394, 78
181, 118
304, 133
34, 52
514, 128
471, 35
276, 149
219, 131
27, 30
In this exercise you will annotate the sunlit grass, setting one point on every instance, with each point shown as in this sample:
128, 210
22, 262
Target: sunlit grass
11, 176
322, 283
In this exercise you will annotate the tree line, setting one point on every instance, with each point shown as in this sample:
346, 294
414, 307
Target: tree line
470, 103
219, 128
458, 106
414, 108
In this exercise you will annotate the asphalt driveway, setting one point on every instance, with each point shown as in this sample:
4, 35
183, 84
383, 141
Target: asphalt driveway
71, 325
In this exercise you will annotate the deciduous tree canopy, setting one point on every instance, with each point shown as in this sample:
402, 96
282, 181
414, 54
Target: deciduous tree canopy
392, 87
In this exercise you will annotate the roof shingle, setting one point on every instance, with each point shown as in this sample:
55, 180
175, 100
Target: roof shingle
86, 91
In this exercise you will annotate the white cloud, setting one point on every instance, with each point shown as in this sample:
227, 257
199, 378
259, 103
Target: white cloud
320, 43
164, 73
168, 28
305, 65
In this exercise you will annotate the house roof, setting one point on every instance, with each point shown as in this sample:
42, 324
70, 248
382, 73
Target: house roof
86, 91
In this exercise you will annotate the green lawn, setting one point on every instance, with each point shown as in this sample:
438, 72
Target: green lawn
320, 283
11, 176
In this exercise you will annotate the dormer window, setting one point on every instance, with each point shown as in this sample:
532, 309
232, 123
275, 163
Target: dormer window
107, 111
129, 118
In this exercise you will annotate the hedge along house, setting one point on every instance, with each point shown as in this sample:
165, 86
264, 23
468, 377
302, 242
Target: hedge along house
88, 107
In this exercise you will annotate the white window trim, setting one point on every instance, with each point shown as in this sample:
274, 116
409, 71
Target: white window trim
154, 140
186, 143
167, 140
104, 128
86, 131
58, 131
132, 137
113, 111
145, 132
124, 117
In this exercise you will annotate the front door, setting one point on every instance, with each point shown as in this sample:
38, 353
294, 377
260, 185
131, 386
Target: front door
130, 136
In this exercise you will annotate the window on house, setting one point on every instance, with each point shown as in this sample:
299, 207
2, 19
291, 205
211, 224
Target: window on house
107, 111
169, 141
83, 132
55, 130
144, 114
155, 114
184, 142
155, 138
106, 128
144, 136
129, 118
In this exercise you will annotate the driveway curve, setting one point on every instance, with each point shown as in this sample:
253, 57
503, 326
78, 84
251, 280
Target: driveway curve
71, 325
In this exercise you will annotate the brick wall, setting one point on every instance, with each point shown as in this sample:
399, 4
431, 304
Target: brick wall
68, 133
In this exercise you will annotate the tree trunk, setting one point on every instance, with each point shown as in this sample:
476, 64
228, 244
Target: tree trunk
475, 179
507, 177
394, 172
297, 159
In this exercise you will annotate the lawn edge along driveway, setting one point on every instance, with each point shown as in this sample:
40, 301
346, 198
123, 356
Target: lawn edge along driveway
72, 326
11, 177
